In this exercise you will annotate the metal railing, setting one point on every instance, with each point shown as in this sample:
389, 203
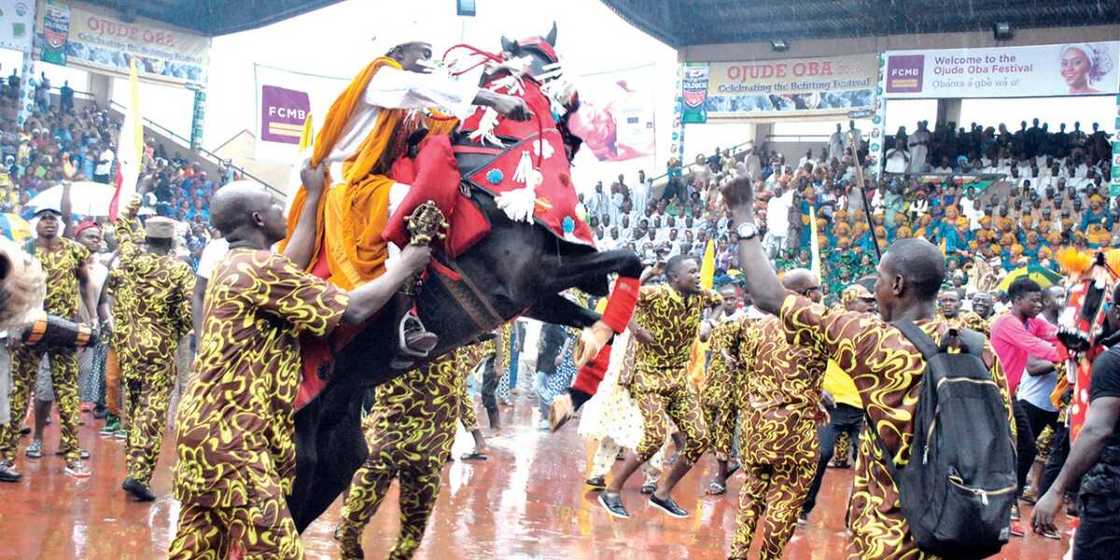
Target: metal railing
186, 143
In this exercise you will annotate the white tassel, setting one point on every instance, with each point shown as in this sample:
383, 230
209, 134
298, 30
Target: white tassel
486, 126
524, 167
543, 149
519, 204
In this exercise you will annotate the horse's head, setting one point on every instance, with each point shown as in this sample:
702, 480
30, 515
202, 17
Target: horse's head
538, 51
1092, 278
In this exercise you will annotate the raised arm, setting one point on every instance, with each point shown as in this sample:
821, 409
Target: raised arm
301, 243
65, 207
765, 288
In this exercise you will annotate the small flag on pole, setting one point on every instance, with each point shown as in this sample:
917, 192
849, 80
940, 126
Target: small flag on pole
130, 147
814, 243
307, 136
699, 354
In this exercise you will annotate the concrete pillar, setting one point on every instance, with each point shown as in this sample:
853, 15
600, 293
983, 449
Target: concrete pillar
101, 86
948, 110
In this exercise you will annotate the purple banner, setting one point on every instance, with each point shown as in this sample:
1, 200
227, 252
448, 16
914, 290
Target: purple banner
283, 112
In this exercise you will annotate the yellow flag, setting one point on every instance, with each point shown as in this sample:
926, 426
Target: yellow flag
307, 136
708, 265
699, 353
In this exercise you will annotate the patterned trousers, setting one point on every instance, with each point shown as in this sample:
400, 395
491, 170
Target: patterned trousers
64, 378
147, 413
777, 490
260, 530
721, 428
683, 408
418, 492
466, 403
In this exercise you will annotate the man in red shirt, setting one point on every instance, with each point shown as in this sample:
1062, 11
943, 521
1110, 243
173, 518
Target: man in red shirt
1017, 337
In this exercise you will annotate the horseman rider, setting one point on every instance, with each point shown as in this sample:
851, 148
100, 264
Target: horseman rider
369, 128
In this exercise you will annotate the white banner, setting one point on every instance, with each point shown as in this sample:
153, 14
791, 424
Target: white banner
1034, 71
615, 115
17, 20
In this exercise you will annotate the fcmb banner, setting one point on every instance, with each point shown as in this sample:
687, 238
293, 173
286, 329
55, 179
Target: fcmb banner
1032, 71
285, 99
817, 85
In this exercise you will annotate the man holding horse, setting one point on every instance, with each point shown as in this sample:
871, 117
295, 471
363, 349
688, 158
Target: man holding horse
236, 433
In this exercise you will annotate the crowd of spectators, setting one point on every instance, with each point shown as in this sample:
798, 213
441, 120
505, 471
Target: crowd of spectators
62, 142
997, 202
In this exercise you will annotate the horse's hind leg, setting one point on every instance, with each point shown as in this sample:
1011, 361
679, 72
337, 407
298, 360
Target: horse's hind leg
571, 271
559, 310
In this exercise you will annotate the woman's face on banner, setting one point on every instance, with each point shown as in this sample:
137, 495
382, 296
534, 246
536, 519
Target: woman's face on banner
1075, 67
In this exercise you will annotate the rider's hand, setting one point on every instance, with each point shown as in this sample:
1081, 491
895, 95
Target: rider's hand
512, 107
414, 258
313, 178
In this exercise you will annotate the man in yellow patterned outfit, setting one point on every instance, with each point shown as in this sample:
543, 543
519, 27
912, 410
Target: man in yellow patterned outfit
719, 394
666, 321
783, 392
409, 432
886, 368
64, 262
236, 430
147, 353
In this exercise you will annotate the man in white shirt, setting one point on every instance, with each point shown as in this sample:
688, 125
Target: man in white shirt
836, 144
104, 164
777, 220
919, 147
211, 255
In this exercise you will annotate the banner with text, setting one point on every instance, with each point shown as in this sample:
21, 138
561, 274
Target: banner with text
1033, 71
77, 34
17, 19
836, 84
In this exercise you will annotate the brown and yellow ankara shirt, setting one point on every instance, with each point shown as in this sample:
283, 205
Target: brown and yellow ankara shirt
721, 384
972, 321
886, 369
61, 266
158, 314
235, 424
673, 320
781, 385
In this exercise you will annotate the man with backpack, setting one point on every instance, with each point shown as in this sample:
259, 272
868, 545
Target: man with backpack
911, 493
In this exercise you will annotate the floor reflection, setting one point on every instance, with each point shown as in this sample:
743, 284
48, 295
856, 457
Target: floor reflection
526, 501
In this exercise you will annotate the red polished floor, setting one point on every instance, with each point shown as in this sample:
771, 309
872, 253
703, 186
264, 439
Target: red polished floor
527, 501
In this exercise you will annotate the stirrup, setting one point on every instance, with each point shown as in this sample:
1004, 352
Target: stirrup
403, 342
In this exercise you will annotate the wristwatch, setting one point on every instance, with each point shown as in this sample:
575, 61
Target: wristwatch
747, 231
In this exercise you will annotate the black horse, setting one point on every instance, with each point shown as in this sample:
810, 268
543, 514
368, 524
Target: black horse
519, 269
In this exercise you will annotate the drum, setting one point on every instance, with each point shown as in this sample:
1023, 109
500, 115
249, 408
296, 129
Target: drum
56, 332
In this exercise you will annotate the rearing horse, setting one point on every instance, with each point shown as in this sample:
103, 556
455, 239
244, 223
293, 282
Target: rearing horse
516, 183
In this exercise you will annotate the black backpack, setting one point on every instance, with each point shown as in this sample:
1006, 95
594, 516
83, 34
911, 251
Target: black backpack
957, 490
